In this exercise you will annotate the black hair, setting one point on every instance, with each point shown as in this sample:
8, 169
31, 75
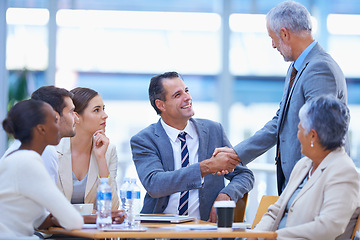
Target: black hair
156, 88
23, 117
53, 96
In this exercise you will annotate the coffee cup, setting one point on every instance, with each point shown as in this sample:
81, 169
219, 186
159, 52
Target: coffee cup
225, 212
84, 208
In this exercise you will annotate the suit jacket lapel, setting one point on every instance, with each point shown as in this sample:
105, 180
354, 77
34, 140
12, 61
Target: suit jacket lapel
307, 59
65, 167
287, 100
290, 189
203, 133
284, 99
165, 148
317, 174
92, 174
316, 49
295, 82
302, 174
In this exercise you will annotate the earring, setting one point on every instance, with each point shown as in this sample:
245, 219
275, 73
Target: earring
312, 144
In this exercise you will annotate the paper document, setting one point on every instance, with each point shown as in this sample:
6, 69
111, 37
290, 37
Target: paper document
197, 226
116, 227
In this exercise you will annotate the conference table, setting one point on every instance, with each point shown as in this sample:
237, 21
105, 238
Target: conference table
192, 229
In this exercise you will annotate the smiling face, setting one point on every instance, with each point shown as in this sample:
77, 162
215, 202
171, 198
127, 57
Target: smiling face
93, 117
177, 109
68, 119
276, 42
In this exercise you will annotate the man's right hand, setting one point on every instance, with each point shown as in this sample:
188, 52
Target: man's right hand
228, 150
223, 161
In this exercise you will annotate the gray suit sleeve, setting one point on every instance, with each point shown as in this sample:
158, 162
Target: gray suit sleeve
241, 182
157, 181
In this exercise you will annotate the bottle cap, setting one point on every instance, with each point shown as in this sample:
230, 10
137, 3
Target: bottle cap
104, 180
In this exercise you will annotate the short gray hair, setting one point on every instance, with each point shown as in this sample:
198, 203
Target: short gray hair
329, 117
290, 15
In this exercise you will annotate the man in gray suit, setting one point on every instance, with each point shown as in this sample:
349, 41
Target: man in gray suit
312, 73
157, 153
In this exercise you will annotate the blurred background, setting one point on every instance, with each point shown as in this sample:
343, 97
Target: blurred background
220, 47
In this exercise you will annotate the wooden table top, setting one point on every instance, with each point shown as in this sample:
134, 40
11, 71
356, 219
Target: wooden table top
165, 230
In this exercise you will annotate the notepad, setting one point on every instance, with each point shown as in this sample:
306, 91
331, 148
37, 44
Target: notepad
123, 228
164, 218
116, 227
197, 226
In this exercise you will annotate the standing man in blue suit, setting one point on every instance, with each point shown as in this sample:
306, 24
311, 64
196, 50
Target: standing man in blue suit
312, 73
157, 154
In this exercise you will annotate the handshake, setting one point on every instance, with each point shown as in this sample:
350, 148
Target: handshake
223, 161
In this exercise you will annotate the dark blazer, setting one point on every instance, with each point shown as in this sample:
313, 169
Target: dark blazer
154, 161
318, 75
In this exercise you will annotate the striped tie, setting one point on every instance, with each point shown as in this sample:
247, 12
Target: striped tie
292, 77
184, 196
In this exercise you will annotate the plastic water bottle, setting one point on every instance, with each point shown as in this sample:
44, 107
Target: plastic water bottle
123, 189
103, 205
132, 205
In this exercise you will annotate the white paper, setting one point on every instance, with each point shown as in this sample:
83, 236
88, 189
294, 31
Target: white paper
89, 226
197, 226
243, 225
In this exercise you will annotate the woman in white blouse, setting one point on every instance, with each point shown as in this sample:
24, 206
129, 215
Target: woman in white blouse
26, 189
87, 156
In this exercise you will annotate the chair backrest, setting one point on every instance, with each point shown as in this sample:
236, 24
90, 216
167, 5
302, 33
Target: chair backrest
239, 213
264, 204
356, 228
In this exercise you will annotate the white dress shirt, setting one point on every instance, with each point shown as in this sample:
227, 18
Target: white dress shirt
49, 157
192, 141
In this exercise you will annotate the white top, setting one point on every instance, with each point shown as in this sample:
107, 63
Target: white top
26, 191
192, 142
49, 156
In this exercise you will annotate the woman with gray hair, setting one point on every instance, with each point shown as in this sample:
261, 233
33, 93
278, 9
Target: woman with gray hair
322, 197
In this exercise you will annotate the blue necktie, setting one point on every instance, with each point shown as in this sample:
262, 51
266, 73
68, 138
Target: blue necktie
184, 196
